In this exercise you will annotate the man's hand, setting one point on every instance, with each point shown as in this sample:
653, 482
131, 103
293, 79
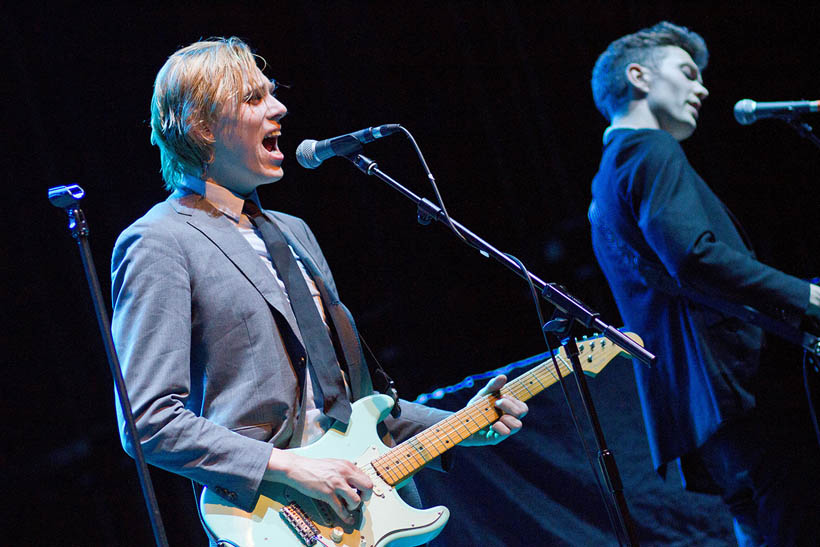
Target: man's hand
814, 302
339, 483
508, 424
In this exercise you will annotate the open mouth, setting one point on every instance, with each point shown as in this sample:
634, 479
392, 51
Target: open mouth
269, 143
270, 140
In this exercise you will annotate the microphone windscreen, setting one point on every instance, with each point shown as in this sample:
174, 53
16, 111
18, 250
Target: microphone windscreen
745, 111
306, 154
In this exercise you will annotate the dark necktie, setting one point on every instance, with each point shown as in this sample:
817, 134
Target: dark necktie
319, 347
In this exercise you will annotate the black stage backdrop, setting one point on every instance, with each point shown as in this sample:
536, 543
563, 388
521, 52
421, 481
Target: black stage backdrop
497, 95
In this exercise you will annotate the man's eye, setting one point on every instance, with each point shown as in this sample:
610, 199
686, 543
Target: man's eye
253, 97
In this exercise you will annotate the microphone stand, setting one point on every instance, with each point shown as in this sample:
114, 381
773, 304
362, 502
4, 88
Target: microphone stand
68, 198
569, 309
804, 130
561, 328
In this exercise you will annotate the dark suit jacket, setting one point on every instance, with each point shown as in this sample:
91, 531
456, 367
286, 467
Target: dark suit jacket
649, 204
201, 328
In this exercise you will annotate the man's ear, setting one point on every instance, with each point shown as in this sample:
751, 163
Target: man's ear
204, 130
638, 76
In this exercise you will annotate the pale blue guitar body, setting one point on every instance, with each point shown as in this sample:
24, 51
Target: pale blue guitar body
384, 519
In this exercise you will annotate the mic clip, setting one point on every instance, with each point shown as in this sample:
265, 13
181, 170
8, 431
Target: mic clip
68, 198
362, 163
804, 130
346, 146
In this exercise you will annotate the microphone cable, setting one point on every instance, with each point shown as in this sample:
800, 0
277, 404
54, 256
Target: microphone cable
534, 294
432, 180
572, 411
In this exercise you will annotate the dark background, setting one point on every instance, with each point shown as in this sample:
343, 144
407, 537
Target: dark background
497, 95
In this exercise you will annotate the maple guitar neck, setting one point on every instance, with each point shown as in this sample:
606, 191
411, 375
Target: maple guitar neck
402, 461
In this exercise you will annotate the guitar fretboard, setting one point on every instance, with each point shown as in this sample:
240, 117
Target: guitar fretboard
404, 460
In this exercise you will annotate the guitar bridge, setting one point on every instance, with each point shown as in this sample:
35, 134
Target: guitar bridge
300, 523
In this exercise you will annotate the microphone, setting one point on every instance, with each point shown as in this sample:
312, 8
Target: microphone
748, 111
310, 154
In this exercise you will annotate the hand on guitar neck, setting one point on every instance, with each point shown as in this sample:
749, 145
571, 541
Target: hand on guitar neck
508, 424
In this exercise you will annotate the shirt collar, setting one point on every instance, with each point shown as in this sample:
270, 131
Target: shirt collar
608, 132
224, 200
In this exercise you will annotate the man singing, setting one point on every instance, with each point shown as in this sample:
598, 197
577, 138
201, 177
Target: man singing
651, 212
227, 321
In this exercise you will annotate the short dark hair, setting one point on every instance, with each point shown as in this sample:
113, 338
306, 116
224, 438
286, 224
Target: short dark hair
610, 88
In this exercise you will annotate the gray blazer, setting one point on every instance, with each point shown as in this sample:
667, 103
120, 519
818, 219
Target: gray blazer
210, 382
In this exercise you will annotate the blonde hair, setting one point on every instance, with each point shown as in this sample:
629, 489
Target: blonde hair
191, 91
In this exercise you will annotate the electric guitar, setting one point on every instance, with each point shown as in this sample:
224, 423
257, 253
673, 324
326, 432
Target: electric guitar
284, 517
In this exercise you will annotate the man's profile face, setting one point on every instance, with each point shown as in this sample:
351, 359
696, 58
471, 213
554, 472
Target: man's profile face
246, 148
676, 92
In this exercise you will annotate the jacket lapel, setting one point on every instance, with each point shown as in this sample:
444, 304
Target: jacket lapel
219, 230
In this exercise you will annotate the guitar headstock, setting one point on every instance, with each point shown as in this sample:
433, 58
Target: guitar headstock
596, 352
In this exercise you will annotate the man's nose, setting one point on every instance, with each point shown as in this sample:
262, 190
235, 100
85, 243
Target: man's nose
276, 109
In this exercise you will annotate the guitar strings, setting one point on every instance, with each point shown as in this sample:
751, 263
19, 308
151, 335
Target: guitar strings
409, 458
